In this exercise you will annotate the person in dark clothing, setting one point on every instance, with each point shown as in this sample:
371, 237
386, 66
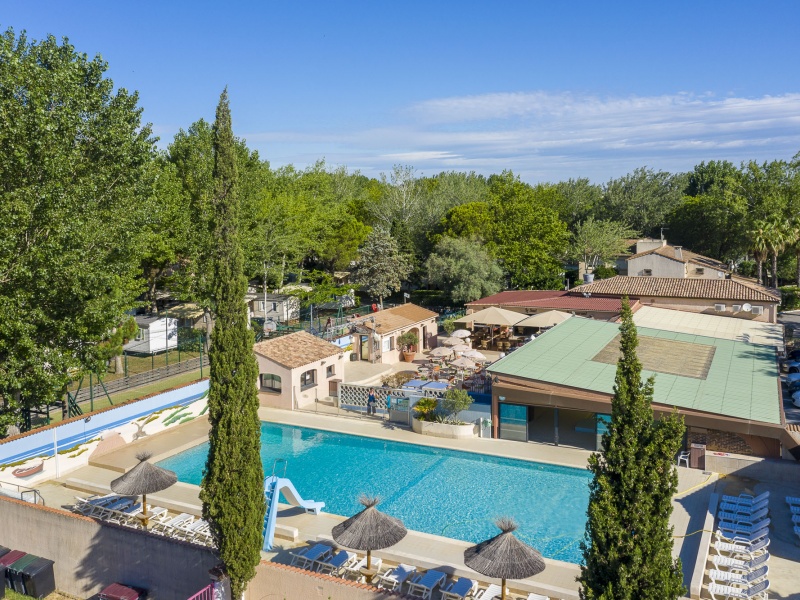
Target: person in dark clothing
371, 402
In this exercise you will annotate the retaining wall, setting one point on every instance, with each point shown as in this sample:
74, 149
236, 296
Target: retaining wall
46, 440
90, 555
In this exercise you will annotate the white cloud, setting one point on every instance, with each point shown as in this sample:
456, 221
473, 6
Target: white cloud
547, 136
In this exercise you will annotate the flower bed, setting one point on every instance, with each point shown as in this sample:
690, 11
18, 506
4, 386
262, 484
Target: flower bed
443, 430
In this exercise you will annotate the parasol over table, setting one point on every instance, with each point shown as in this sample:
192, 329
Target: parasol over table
461, 348
369, 530
451, 341
441, 351
504, 556
143, 479
474, 355
463, 363
461, 333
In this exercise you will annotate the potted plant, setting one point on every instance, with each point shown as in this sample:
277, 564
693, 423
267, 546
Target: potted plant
408, 344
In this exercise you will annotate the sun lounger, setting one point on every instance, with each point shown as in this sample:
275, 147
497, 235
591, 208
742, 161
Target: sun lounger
458, 590
734, 530
792, 500
493, 591
746, 509
742, 549
795, 510
797, 530
316, 553
746, 498
733, 517
86, 506
169, 526
124, 515
336, 563
735, 565
738, 579
395, 578
354, 570
533, 596
422, 586
727, 592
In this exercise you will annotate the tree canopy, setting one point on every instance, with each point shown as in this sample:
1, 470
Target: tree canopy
464, 269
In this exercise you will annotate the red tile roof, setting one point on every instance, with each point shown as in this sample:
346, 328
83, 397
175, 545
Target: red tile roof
670, 287
296, 349
512, 296
399, 317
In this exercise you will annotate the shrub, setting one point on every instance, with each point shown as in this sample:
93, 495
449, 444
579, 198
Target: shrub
425, 409
396, 380
407, 340
790, 297
454, 402
604, 272
449, 326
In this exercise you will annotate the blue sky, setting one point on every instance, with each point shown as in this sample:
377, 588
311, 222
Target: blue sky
551, 90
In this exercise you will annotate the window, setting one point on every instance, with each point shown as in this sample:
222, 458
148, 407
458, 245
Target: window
387, 344
648, 272
330, 371
308, 379
270, 382
700, 271
261, 305
274, 306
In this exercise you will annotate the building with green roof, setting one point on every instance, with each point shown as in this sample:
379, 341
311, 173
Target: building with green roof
558, 387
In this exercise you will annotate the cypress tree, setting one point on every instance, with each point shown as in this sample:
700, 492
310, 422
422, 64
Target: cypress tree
232, 492
628, 543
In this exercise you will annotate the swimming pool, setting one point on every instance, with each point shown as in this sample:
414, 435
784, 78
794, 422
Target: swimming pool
443, 492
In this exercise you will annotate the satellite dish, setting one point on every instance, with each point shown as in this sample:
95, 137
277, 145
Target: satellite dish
747, 307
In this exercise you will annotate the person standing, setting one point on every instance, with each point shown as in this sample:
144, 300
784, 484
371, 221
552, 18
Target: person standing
371, 402
388, 404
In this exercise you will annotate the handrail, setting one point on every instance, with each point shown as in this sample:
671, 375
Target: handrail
23, 493
207, 593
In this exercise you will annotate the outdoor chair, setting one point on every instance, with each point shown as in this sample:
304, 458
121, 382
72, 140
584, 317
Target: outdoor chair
745, 509
795, 510
354, 569
738, 579
124, 515
307, 559
395, 578
742, 549
336, 563
736, 565
107, 511
728, 592
792, 501
422, 586
683, 457
459, 590
167, 526
747, 498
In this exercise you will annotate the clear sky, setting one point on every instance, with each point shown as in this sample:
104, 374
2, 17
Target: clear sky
551, 89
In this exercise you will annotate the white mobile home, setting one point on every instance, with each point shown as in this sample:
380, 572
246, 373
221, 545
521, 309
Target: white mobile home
156, 334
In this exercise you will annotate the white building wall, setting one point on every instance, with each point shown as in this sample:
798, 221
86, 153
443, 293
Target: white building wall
658, 265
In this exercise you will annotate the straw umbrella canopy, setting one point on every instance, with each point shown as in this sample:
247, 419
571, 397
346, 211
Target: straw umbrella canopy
143, 479
441, 351
461, 333
504, 556
369, 530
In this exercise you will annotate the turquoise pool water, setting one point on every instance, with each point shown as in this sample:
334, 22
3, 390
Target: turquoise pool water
444, 492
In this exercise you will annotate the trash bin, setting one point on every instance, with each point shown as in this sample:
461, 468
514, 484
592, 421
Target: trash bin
118, 591
14, 572
38, 578
2, 581
6, 560
697, 456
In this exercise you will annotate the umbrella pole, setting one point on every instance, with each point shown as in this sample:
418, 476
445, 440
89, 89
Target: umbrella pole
144, 507
503, 593
369, 559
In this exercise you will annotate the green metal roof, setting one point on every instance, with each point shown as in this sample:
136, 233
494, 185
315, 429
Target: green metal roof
742, 381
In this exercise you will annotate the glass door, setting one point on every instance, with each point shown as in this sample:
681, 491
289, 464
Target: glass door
513, 422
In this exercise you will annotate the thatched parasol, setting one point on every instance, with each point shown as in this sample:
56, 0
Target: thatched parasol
369, 530
504, 556
144, 479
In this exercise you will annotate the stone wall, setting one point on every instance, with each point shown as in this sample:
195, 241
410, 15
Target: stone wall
720, 441
89, 555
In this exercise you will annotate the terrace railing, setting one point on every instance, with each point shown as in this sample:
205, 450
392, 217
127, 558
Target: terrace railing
207, 593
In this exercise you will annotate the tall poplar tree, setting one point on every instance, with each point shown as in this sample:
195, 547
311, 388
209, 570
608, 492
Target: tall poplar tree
232, 493
628, 547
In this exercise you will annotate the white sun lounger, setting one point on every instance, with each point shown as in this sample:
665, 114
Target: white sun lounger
734, 530
458, 590
422, 585
736, 565
354, 570
738, 579
728, 592
334, 564
307, 559
742, 549
533, 596
170, 526
745, 509
733, 517
746, 498
395, 578
493, 591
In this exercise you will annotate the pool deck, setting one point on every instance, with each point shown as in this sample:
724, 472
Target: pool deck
421, 549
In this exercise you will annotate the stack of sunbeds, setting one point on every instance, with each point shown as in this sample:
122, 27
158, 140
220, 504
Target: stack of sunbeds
183, 527
742, 538
794, 508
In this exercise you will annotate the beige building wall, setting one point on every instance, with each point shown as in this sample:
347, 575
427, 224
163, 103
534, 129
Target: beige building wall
90, 555
659, 266
698, 305
274, 580
293, 393
388, 352
697, 271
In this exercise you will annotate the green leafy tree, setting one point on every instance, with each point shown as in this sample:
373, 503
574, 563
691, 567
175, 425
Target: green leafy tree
381, 268
628, 547
454, 401
759, 237
597, 242
580, 197
464, 269
75, 170
232, 486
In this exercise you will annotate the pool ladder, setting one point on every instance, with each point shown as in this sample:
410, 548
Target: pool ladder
277, 462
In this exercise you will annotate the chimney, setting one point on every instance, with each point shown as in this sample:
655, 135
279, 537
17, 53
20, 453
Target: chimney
678, 253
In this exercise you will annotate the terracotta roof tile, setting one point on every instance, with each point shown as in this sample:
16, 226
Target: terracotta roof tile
398, 317
296, 349
514, 296
670, 287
